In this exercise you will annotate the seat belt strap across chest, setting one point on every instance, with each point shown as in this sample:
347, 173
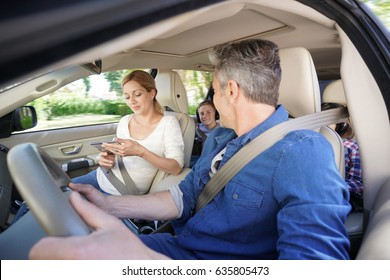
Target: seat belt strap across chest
127, 188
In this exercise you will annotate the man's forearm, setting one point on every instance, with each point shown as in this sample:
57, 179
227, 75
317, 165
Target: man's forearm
153, 206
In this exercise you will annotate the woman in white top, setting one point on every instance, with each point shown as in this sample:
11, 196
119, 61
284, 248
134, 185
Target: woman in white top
146, 140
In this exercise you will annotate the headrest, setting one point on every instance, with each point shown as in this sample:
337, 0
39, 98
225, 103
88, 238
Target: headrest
334, 93
299, 90
171, 92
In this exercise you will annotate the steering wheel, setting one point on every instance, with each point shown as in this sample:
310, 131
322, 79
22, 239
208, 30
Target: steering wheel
41, 182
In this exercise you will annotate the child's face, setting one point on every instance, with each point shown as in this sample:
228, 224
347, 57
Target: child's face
207, 114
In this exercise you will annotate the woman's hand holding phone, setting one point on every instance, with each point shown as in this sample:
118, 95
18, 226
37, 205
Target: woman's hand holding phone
106, 155
106, 160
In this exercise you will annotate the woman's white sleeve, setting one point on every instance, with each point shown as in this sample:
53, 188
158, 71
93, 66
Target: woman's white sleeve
177, 197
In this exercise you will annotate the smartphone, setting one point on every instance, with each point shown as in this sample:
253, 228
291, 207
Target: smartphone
98, 145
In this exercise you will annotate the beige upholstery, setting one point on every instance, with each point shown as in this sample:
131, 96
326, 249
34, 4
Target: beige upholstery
172, 95
334, 93
171, 91
375, 245
338, 147
299, 90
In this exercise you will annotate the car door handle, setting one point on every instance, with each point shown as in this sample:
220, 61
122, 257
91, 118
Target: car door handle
71, 150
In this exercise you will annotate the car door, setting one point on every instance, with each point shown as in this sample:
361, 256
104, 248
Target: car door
65, 134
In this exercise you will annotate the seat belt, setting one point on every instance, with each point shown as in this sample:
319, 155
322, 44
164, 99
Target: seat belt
201, 133
128, 188
260, 144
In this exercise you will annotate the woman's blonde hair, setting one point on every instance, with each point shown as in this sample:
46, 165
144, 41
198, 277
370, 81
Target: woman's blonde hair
145, 80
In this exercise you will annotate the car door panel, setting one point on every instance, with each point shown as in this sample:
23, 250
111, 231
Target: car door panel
69, 147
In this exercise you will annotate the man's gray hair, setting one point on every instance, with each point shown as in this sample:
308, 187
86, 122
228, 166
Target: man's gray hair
253, 64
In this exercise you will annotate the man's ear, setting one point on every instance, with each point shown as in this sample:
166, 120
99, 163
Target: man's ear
233, 89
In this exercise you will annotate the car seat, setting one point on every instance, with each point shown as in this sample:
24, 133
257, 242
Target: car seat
172, 95
299, 91
334, 93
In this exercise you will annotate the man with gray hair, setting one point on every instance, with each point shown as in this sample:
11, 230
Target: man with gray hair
281, 205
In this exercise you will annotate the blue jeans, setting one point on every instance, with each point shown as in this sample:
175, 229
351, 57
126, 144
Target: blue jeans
166, 244
23, 209
89, 178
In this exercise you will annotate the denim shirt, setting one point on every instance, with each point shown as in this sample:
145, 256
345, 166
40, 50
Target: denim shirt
290, 202
216, 137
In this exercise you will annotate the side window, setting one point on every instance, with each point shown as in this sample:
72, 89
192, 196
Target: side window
197, 84
92, 100
98, 99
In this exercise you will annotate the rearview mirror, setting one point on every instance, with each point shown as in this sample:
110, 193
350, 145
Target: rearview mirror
94, 67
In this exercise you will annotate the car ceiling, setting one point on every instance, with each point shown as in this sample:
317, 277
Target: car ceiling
186, 46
